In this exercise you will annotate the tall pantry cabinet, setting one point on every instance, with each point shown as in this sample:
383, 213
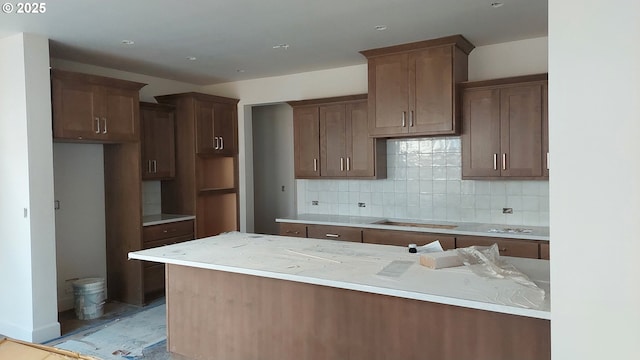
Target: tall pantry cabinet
206, 177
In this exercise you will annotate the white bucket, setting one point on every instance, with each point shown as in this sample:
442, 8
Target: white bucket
89, 298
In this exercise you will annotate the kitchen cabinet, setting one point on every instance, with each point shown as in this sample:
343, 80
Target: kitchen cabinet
404, 238
206, 179
158, 141
217, 127
507, 247
161, 235
341, 233
94, 108
544, 251
504, 132
294, 230
412, 87
331, 140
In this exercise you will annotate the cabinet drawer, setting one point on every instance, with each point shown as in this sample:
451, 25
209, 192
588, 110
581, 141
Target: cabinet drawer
169, 230
404, 238
154, 278
544, 251
341, 233
508, 247
295, 230
167, 241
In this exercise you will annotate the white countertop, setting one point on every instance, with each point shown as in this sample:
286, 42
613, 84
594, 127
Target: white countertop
158, 219
461, 228
355, 266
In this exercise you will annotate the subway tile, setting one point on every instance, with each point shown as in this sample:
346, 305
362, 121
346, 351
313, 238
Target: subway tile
402, 146
544, 204
376, 210
413, 146
400, 186
531, 188
426, 201
413, 200
354, 186
426, 186
426, 213
389, 186
483, 202
544, 188
453, 214
426, 173
514, 219
439, 159
439, 145
400, 174
453, 144
376, 198
453, 201
413, 160
413, 186
453, 187
439, 201
543, 218
468, 187
454, 173
354, 198
377, 185
401, 199
343, 185
498, 188
401, 161
413, 212
388, 211
400, 212
365, 185
497, 217
426, 146
498, 202
364, 211
453, 159
333, 185
483, 216
388, 199
530, 218
426, 160
531, 203
513, 188
439, 173
515, 202
343, 197
439, 187
413, 173
468, 201
392, 147
467, 215
364, 197
483, 188
439, 213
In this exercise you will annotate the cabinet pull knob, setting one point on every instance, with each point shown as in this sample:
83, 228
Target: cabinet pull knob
404, 119
292, 232
504, 161
495, 161
315, 164
104, 130
221, 143
341, 164
332, 235
97, 125
411, 118
502, 249
348, 164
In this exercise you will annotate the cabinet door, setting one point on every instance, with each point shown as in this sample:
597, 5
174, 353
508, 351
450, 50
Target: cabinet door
306, 127
120, 114
506, 247
521, 130
404, 238
205, 137
431, 90
74, 106
333, 141
544, 251
360, 148
481, 133
388, 95
545, 130
158, 143
340, 233
225, 128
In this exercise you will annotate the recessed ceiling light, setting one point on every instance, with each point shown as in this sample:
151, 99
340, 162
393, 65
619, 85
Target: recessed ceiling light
240, 70
281, 46
191, 58
496, 4
128, 42
381, 27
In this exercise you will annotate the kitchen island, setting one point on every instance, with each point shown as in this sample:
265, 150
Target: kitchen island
248, 296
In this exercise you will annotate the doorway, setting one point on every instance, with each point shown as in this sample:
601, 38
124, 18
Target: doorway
273, 177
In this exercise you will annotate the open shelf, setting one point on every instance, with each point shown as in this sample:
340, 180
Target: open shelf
217, 213
216, 172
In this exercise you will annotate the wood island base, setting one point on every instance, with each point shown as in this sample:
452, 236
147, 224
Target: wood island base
221, 315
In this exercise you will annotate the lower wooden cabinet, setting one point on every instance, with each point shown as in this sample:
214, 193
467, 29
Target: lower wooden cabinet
404, 238
507, 247
160, 235
295, 230
544, 251
342, 233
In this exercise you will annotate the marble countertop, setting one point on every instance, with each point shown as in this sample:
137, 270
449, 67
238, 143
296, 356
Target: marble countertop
460, 228
158, 219
380, 269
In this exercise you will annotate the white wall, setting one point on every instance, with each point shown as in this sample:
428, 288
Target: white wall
272, 166
513, 58
27, 262
594, 125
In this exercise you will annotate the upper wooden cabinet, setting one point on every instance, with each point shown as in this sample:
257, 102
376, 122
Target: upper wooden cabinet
504, 130
158, 141
216, 127
412, 87
331, 139
94, 108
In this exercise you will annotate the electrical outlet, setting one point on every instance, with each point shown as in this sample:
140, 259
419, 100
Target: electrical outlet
361, 204
507, 210
314, 202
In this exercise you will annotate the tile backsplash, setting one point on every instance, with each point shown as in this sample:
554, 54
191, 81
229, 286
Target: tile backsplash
151, 197
424, 182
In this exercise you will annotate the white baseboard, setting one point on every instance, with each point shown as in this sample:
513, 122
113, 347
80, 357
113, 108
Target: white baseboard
39, 335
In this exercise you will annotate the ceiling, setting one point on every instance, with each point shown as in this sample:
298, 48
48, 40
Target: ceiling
233, 39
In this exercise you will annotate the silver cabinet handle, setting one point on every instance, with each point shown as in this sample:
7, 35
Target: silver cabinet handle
155, 166
547, 160
404, 119
348, 164
332, 235
148, 166
216, 143
495, 161
315, 164
411, 118
504, 161
97, 125
221, 143
341, 164
104, 131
